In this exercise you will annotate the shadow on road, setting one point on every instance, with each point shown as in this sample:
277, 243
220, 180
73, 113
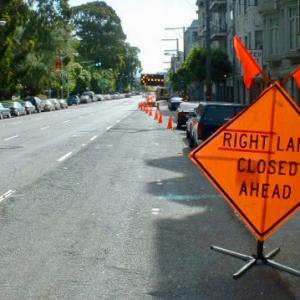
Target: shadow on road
187, 268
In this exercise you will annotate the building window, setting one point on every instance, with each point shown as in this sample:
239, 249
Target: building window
292, 29
258, 39
249, 40
273, 35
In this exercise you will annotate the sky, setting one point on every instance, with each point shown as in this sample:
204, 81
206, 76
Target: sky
144, 23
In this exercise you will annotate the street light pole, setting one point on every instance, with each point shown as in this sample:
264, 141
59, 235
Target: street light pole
208, 54
183, 34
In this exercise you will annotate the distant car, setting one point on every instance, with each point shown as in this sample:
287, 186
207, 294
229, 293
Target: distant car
91, 95
210, 117
47, 105
4, 111
55, 103
63, 103
17, 109
174, 103
183, 111
99, 97
37, 102
85, 99
73, 99
29, 107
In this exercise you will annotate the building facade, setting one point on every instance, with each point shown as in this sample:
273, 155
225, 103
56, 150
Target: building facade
191, 38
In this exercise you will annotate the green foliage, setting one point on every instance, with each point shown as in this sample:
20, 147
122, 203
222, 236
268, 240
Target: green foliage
39, 31
194, 68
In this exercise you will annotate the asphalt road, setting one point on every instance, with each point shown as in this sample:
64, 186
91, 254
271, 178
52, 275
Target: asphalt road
105, 204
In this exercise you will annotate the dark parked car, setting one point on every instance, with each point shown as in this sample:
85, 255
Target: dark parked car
73, 99
183, 111
29, 107
4, 111
37, 102
210, 117
174, 103
17, 109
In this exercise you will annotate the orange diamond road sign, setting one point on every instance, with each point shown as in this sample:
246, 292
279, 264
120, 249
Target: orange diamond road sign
254, 161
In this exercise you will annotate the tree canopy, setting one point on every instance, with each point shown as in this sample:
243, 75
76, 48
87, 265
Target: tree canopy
38, 32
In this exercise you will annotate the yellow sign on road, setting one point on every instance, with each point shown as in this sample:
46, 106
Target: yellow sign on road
254, 161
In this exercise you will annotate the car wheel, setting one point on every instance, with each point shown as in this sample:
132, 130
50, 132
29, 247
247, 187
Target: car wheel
9, 115
179, 126
191, 142
187, 133
18, 114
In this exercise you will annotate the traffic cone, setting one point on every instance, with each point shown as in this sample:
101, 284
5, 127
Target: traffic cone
170, 123
160, 118
150, 112
146, 109
156, 115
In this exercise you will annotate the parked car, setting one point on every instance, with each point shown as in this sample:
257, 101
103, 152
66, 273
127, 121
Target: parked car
29, 107
183, 111
210, 117
47, 105
73, 99
191, 119
4, 111
99, 97
17, 109
37, 102
174, 103
63, 103
55, 103
91, 95
85, 99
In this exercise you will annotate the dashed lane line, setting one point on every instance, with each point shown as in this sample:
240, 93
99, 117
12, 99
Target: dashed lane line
43, 128
93, 138
67, 121
6, 195
11, 138
64, 157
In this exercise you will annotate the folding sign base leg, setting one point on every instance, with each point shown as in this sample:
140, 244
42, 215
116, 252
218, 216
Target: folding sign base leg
254, 259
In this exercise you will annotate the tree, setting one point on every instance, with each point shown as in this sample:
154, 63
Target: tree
194, 67
100, 32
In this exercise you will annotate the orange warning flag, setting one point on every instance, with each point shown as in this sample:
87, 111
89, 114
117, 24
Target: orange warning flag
296, 76
250, 67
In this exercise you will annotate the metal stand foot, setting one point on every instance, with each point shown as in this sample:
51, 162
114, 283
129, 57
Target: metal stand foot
259, 257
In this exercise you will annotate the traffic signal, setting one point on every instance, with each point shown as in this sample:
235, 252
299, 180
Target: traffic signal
152, 79
58, 64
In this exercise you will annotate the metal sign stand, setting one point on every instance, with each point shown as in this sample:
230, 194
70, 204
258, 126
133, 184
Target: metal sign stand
254, 259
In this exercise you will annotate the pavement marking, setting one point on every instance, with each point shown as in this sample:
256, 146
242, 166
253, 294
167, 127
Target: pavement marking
155, 211
6, 195
43, 128
67, 121
93, 138
64, 157
109, 128
10, 138
83, 145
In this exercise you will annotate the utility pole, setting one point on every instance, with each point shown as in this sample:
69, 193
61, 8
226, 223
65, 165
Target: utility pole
233, 52
208, 53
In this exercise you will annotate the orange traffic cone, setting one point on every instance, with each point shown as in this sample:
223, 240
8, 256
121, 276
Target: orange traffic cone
146, 110
170, 123
156, 115
150, 112
160, 118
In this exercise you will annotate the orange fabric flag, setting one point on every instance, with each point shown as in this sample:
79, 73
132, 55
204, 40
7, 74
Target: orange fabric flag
250, 66
296, 76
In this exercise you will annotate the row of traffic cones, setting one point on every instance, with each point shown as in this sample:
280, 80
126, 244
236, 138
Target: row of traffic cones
158, 116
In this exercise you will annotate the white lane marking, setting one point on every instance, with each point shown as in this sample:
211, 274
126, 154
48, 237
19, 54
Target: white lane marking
155, 211
6, 195
83, 145
10, 138
109, 128
64, 157
93, 138
67, 121
43, 128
